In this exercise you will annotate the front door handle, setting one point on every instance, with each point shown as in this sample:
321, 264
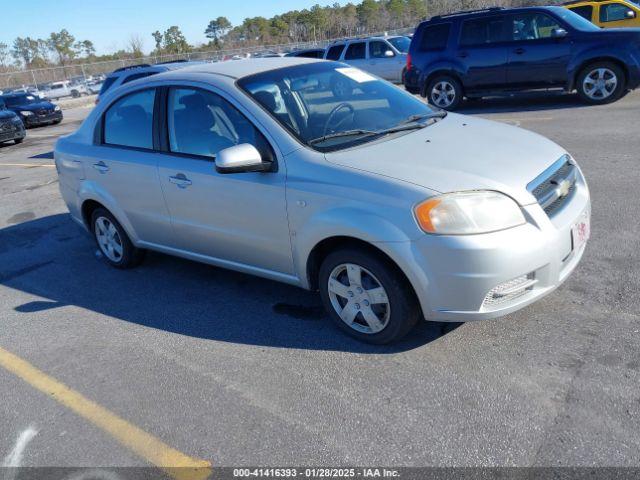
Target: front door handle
463, 54
519, 51
180, 180
101, 167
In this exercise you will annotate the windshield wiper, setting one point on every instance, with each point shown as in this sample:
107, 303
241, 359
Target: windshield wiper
347, 133
424, 116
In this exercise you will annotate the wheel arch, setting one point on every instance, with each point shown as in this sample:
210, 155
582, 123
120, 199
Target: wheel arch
440, 71
330, 244
90, 200
595, 59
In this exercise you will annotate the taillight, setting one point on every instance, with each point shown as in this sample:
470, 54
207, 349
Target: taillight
408, 61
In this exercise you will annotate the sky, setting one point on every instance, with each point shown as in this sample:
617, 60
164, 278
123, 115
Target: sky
109, 23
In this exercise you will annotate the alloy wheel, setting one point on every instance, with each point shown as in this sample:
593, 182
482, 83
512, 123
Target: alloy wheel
109, 239
359, 298
600, 84
443, 94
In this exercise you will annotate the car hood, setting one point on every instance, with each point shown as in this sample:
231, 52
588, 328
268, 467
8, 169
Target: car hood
4, 114
459, 153
32, 107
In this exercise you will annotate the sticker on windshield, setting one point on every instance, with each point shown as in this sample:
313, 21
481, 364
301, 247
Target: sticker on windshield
356, 75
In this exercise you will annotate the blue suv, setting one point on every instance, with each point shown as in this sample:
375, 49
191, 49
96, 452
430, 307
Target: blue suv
497, 51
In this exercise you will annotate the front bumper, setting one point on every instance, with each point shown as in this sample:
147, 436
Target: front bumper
42, 119
12, 132
456, 277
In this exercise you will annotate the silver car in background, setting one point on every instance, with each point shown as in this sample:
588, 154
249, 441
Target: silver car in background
385, 56
392, 210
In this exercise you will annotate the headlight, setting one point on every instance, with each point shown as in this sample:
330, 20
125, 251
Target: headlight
26, 113
467, 213
56, 108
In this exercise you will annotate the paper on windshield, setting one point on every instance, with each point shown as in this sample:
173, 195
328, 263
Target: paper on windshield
356, 75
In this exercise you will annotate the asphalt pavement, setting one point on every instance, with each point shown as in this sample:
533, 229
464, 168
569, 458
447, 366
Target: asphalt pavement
236, 370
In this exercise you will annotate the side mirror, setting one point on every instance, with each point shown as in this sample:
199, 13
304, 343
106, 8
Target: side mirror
559, 33
389, 53
241, 158
630, 14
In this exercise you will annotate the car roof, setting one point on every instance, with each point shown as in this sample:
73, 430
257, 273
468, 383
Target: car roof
158, 67
486, 12
243, 68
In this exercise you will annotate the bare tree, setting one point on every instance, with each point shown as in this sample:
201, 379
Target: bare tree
135, 45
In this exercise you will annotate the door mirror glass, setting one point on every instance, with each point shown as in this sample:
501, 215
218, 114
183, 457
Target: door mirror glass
389, 53
240, 158
631, 14
559, 33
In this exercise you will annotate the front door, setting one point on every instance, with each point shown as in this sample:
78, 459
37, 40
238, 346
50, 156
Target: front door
537, 58
239, 218
384, 62
618, 15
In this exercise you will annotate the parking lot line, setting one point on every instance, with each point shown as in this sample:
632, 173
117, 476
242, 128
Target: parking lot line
26, 165
176, 464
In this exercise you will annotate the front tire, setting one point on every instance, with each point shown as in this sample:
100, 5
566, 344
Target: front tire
601, 83
367, 296
18, 141
113, 242
445, 92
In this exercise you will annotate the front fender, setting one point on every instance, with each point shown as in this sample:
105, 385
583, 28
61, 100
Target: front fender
93, 191
594, 54
341, 222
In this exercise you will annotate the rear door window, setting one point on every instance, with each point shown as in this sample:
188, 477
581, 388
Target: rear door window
482, 31
585, 11
435, 37
334, 52
129, 121
356, 51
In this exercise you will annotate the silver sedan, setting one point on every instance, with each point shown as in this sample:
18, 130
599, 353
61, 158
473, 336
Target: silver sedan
392, 210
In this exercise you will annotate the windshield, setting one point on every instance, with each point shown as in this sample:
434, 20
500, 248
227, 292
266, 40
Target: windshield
575, 20
401, 43
21, 100
331, 106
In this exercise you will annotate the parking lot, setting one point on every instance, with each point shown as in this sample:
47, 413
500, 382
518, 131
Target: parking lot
235, 370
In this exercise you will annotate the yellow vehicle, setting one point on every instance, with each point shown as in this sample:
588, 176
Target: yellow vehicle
608, 13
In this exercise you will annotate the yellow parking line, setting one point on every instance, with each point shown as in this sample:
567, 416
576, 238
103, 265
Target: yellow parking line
176, 464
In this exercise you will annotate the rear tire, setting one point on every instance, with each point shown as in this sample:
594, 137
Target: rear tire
445, 92
113, 242
601, 83
367, 296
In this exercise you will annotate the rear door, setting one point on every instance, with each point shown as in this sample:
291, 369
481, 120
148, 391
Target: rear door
124, 167
482, 49
238, 218
536, 58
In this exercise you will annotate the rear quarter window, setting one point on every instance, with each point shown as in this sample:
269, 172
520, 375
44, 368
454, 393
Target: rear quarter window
435, 37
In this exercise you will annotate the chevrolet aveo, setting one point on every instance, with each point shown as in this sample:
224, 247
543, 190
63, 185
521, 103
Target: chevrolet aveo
392, 210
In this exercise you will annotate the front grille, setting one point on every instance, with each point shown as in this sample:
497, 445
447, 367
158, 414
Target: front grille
508, 291
555, 186
6, 126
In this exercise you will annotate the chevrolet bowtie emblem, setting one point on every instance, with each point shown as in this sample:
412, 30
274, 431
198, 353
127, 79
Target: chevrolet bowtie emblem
563, 188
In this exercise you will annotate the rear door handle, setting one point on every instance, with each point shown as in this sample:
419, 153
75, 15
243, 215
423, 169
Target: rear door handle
519, 51
180, 180
101, 167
